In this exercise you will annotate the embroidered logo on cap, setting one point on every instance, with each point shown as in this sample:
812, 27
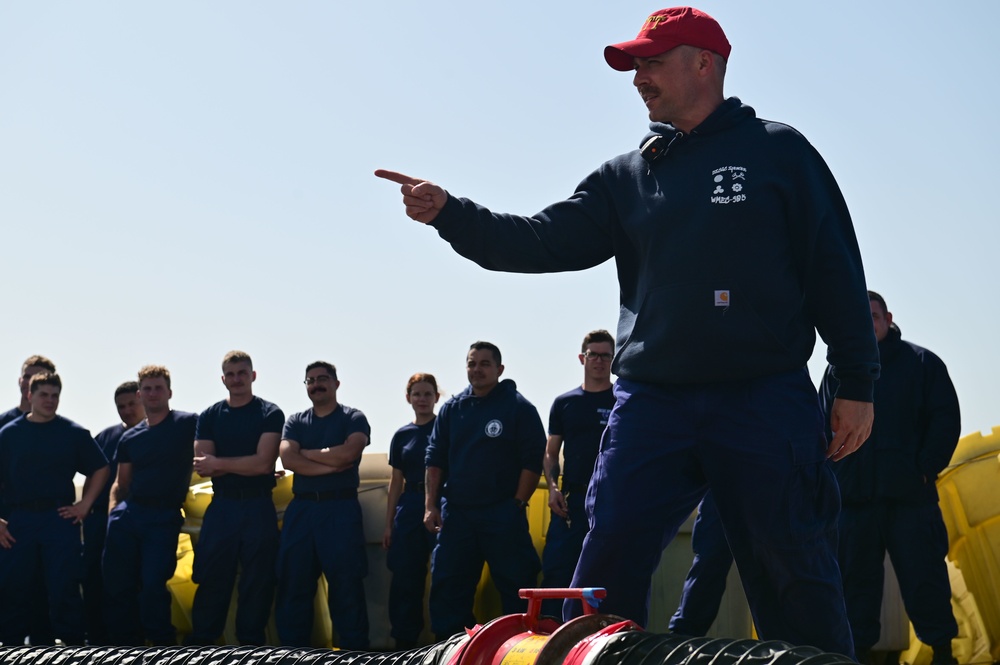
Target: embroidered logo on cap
494, 428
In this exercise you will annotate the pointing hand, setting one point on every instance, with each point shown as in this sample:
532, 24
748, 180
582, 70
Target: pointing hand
422, 198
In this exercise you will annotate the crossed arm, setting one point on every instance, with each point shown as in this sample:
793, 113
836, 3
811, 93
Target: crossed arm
325, 460
261, 463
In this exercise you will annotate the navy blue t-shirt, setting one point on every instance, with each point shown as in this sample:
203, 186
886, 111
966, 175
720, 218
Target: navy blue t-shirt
408, 450
107, 440
236, 431
580, 417
161, 457
5, 418
38, 460
314, 433
483, 443
10, 416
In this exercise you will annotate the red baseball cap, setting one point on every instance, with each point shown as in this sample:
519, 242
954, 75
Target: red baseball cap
667, 29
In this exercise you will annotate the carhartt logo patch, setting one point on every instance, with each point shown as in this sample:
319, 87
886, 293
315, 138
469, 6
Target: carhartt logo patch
722, 298
494, 428
729, 183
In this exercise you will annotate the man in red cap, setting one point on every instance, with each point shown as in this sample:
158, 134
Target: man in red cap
734, 247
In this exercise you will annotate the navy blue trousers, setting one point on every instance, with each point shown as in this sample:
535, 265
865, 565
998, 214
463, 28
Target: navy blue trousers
50, 544
563, 542
759, 445
236, 534
496, 534
140, 556
706, 580
914, 534
322, 537
95, 529
407, 558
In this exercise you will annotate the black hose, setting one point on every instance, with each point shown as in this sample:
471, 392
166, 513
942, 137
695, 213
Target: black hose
637, 648
435, 654
626, 648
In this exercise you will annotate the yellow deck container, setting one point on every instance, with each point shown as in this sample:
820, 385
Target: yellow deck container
970, 502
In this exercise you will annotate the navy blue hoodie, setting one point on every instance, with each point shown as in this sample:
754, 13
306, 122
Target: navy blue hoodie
916, 428
732, 249
482, 444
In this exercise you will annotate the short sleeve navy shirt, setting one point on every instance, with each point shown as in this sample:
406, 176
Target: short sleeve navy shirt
580, 418
161, 457
107, 440
38, 460
408, 449
314, 433
236, 432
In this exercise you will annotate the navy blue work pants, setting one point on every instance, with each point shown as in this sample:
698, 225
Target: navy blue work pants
236, 534
759, 445
407, 559
914, 534
50, 544
140, 557
563, 542
496, 534
95, 528
706, 580
322, 537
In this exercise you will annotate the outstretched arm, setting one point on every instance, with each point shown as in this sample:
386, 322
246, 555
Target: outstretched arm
422, 198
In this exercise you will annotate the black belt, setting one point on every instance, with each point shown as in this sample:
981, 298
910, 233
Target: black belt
242, 495
154, 503
575, 488
326, 495
414, 487
38, 505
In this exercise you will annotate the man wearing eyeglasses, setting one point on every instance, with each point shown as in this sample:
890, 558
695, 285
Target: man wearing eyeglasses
236, 446
577, 419
322, 529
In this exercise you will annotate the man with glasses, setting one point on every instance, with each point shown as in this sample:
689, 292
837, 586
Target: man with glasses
578, 419
236, 446
322, 530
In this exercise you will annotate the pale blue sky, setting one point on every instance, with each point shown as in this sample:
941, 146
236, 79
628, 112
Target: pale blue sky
178, 179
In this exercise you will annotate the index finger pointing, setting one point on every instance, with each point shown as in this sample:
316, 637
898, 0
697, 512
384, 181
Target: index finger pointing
399, 178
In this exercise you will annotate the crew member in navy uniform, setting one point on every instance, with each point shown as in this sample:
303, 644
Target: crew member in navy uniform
890, 498
407, 542
38, 606
705, 583
40, 453
484, 460
95, 527
144, 520
734, 246
322, 528
237, 445
577, 420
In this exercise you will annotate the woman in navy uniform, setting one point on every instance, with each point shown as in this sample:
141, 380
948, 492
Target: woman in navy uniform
408, 542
